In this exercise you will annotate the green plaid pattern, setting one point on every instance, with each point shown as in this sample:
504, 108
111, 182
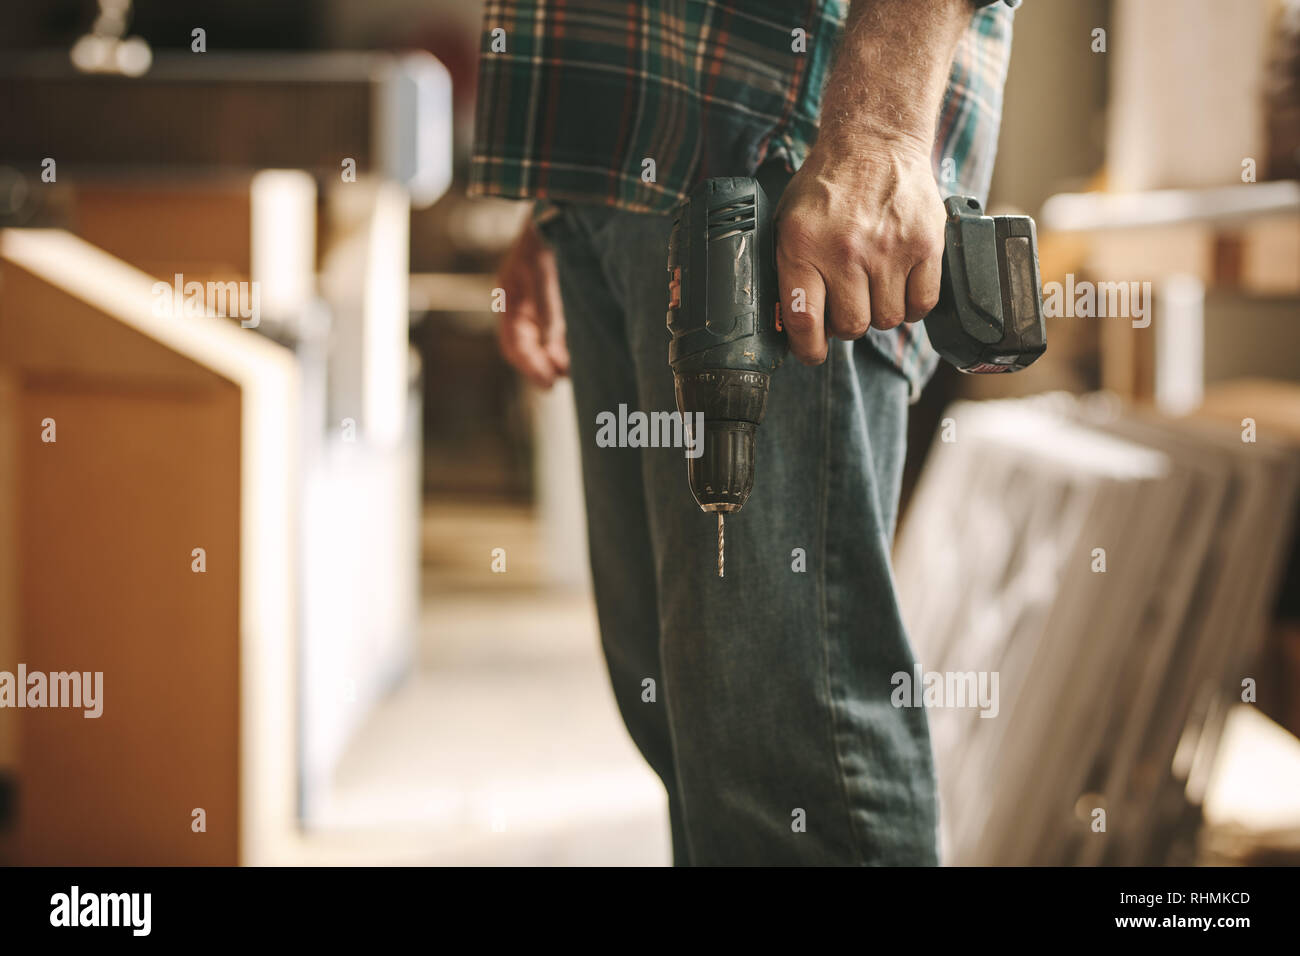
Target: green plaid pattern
585, 91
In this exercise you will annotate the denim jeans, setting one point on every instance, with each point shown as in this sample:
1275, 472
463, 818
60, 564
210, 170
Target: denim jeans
770, 720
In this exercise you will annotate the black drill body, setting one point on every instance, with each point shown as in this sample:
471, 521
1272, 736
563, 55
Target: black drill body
724, 314
727, 338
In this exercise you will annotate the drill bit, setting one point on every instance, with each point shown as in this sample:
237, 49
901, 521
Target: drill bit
720, 544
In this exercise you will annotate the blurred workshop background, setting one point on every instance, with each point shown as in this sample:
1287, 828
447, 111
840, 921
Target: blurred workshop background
332, 564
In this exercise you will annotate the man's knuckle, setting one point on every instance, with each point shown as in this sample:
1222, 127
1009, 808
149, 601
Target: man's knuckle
921, 307
929, 247
889, 244
796, 233
802, 323
846, 247
924, 301
852, 329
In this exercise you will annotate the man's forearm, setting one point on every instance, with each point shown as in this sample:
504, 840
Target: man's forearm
860, 226
890, 72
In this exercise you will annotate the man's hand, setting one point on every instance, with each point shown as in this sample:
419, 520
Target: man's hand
863, 243
531, 331
860, 226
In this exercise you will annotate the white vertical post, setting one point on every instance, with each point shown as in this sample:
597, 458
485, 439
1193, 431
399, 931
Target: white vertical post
1180, 345
561, 512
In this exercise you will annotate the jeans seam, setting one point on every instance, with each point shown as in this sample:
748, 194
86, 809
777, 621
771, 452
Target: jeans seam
613, 279
824, 628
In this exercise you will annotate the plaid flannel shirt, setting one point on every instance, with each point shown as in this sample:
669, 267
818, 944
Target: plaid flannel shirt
629, 104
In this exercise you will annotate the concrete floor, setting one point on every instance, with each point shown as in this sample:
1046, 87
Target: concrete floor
504, 746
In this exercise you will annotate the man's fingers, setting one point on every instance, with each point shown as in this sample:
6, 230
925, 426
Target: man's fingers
803, 304
552, 318
521, 344
923, 288
888, 296
848, 305
557, 350
531, 332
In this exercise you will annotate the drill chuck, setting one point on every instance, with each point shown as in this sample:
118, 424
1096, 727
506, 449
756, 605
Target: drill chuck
733, 402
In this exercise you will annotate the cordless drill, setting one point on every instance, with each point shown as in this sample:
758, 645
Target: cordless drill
724, 314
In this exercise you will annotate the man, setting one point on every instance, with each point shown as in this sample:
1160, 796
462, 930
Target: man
770, 721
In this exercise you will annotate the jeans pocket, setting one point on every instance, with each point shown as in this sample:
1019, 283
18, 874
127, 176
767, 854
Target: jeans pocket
554, 221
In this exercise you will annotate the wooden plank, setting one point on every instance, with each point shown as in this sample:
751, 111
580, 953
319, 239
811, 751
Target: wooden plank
994, 573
